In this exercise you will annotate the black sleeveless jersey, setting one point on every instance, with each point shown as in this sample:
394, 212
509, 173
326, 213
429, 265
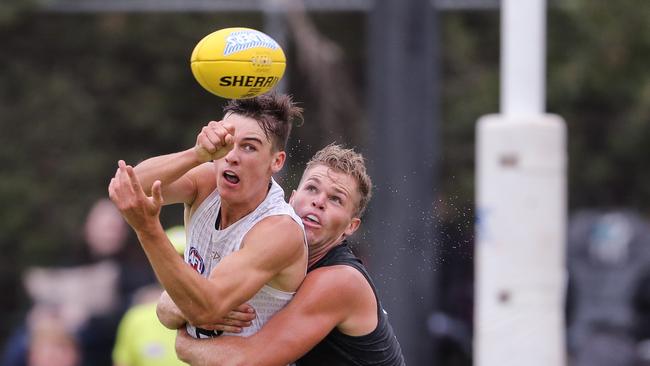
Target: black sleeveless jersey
377, 348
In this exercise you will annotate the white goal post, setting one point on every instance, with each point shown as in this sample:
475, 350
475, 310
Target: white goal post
521, 199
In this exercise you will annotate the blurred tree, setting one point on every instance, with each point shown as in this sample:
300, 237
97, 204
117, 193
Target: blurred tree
600, 83
77, 93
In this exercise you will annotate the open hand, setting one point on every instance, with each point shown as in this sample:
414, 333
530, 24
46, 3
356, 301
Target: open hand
139, 210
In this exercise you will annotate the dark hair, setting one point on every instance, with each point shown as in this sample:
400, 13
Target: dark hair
350, 162
274, 113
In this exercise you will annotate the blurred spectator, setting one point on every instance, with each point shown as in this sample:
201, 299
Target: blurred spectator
141, 339
50, 343
90, 296
608, 256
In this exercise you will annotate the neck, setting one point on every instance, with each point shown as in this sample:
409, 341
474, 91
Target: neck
316, 254
231, 212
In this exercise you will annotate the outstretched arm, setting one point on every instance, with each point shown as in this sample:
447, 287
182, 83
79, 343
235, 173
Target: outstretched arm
329, 297
173, 171
269, 247
180, 180
268, 250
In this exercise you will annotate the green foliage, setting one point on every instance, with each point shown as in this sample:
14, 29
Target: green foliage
469, 90
599, 82
77, 93
77, 98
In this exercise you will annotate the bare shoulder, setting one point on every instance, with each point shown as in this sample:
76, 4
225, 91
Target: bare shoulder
280, 239
278, 245
204, 176
346, 291
278, 230
343, 280
204, 181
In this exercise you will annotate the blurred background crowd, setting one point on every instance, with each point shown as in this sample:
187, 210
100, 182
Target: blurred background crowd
82, 87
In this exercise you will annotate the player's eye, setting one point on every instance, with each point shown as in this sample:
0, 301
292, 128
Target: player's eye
336, 199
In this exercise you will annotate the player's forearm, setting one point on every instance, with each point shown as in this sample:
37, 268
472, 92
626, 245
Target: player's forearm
233, 351
168, 313
196, 297
165, 168
221, 351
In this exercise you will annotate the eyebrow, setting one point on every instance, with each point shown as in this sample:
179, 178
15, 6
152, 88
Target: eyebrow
342, 192
312, 178
338, 190
253, 139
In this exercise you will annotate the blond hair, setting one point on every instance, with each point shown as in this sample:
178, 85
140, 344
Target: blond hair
350, 162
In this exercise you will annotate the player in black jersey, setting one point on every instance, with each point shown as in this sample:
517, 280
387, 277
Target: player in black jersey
336, 317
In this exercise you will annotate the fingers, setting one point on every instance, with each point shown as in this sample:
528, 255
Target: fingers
122, 177
210, 139
230, 136
156, 193
125, 189
126, 183
243, 312
120, 187
235, 320
227, 325
229, 140
215, 136
229, 127
239, 319
133, 179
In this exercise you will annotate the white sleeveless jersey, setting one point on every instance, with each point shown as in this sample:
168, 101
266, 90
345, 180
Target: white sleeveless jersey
206, 246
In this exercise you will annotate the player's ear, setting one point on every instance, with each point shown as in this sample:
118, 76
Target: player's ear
352, 226
291, 197
278, 161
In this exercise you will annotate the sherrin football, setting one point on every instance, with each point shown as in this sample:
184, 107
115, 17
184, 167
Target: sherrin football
237, 63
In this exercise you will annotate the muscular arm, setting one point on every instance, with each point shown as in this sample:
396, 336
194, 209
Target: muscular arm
168, 313
171, 317
181, 182
328, 298
178, 172
268, 248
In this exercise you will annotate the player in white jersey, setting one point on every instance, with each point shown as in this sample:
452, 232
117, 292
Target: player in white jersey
244, 244
208, 245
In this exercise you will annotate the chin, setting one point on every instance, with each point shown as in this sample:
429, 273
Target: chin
227, 193
310, 237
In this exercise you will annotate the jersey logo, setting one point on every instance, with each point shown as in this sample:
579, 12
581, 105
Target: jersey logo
201, 333
217, 255
195, 261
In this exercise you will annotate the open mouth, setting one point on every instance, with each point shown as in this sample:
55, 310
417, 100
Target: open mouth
231, 177
312, 218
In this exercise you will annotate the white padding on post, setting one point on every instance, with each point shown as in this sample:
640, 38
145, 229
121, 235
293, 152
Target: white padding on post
520, 241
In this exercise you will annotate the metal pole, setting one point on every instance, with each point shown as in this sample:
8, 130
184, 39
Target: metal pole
523, 55
403, 143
